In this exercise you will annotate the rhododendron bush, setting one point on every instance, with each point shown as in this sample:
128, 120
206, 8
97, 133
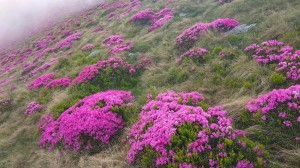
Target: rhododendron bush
113, 72
155, 20
33, 108
62, 82
87, 47
188, 37
195, 53
174, 131
93, 120
117, 44
41, 81
285, 57
279, 108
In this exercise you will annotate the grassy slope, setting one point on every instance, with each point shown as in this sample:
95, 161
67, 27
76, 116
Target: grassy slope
227, 82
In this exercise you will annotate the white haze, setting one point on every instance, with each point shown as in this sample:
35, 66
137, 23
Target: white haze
18, 17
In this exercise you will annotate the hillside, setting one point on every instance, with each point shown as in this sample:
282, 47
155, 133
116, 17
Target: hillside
156, 83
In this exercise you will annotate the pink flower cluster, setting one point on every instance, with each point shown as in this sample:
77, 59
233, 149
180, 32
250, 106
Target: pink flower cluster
129, 5
98, 28
43, 67
89, 121
32, 108
41, 81
87, 47
113, 40
117, 43
90, 72
67, 42
196, 52
66, 33
121, 47
189, 36
155, 20
160, 119
224, 24
282, 105
275, 52
62, 82
44, 42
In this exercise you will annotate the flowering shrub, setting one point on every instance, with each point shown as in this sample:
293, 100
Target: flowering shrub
224, 24
113, 71
194, 53
67, 42
155, 20
279, 108
99, 28
62, 82
143, 17
188, 37
32, 108
275, 52
44, 42
173, 131
117, 43
94, 119
66, 33
291, 67
113, 40
41, 81
121, 47
268, 52
43, 67
87, 47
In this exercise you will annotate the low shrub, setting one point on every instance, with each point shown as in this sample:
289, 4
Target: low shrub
278, 109
277, 79
41, 81
189, 36
87, 123
173, 131
33, 108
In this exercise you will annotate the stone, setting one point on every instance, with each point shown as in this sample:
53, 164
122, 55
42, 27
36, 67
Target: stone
243, 28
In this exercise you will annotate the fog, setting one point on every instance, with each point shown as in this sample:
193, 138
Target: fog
18, 17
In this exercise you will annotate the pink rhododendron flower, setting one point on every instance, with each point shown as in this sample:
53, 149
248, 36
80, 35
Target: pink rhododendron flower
85, 123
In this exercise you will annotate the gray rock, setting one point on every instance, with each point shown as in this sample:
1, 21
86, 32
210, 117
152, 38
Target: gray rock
243, 28
94, 52
182, 14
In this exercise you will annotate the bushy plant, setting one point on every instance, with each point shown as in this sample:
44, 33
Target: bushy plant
277, 79
285, 58
87, 47
173, 131
89, 122
110, 73
155, 20
195, 53
189, 36
41, 81
280, 109
32, 108
62, 82
117, 44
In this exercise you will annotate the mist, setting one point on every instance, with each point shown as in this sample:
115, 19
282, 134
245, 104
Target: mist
19, 17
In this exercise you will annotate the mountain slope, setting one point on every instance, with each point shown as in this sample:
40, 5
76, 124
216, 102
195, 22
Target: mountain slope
230, 81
